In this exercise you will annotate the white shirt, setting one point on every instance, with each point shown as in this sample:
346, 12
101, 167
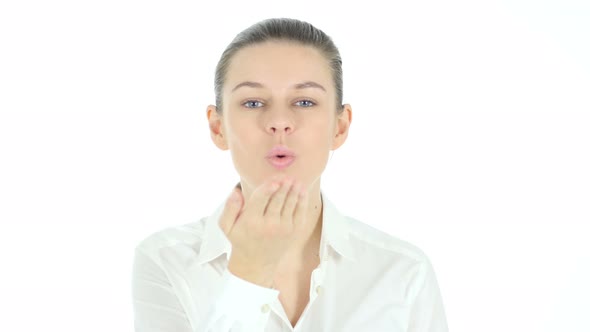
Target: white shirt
367, 280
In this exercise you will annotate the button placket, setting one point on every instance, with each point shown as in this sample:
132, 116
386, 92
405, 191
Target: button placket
318, 289
317, 277
265, 308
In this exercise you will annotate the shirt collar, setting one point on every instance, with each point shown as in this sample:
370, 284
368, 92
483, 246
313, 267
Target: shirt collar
335, 233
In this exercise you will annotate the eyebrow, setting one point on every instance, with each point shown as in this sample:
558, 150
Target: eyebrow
298, 86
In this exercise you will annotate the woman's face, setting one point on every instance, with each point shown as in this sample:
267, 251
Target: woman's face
276, 108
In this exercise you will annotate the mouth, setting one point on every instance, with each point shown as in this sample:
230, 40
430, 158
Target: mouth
281, 161
280, 156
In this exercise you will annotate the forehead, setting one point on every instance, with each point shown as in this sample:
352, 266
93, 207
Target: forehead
278, 64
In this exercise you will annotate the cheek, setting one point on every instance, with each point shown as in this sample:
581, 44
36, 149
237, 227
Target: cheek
322, 130
239, 134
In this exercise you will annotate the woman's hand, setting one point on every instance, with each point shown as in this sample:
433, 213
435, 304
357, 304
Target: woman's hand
262, 230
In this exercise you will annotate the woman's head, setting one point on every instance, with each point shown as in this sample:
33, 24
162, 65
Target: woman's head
281, 29
279, 83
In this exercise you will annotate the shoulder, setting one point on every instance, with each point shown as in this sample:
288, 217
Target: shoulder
189, 234
372, 241
392, 259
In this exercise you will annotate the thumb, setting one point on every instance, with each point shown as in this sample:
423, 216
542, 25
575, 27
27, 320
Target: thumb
230, 213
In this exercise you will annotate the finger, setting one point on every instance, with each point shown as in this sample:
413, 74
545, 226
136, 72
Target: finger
291, 202
277, 201
261, 196
232, 208
301, 208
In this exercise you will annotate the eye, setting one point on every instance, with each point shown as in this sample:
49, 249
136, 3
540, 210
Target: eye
309, 103
251, 103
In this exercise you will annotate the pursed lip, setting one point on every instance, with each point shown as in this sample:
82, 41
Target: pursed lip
280, 157
280, 150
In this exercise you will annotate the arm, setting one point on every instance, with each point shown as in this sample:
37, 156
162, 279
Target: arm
155, 305
427, 312
239, 305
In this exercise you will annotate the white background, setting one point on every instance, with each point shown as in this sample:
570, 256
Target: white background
470, 138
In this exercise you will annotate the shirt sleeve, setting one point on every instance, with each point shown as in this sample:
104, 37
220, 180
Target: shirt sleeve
155, 305
427, 312
237, 306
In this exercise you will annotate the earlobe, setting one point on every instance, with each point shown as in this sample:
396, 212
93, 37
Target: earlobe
342, 125
215, 128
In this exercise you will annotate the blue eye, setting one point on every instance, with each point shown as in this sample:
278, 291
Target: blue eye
310, 103
253, 103
250, 102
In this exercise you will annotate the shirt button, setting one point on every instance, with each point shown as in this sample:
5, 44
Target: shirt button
318, 289
265, 308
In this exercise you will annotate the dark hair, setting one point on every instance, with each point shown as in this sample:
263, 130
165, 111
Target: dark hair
281, 29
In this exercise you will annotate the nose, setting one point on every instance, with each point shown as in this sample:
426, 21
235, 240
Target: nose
279, 122
280, 128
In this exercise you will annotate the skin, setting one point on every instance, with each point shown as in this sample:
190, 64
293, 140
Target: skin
254, 120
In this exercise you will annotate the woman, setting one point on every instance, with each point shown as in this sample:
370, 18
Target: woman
291, 259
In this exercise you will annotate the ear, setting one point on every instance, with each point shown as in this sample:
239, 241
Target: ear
342, 125
216, 127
